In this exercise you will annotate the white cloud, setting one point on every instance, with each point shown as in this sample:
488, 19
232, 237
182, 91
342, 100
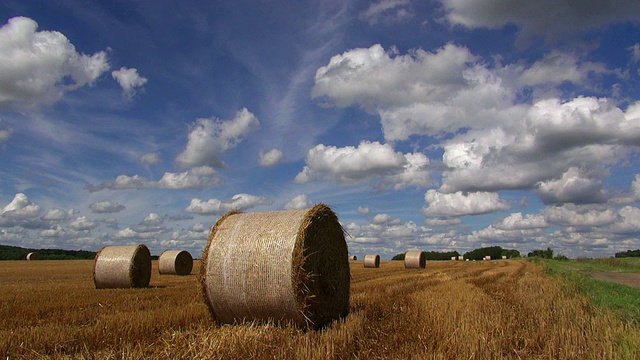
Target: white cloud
585, 133
129, 81
550, 20
381, 219
571, 187
21, 208
387, 11
56, 232
558, 67
201, 177
350, 165
516, 221
270, 158
635, 52
580, 215
459, 203
5, 134
209, 138
451, 221
629, 221
238, 202
363, 210
298, 202
82, 223
104, 207
39, 66
150, 159
58, 214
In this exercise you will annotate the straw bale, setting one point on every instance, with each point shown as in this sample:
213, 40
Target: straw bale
353, 257
372, 261
175, 262
33, 256
454, 258
282, 267
122, 267
415, 260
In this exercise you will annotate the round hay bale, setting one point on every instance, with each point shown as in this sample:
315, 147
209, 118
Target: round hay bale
33, 256
372, 261
122, 267
415, 260
353, 257
175, 262
285, 267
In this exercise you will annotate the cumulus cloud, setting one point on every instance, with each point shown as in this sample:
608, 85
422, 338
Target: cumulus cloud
105, 207
39, 66
363, 210
237, 202
209, 138
571, 187
21, 208
550, 20
151, 227
459, 203
270, 158
82, 223
201, 177
445, 221
129, 81
150, 158
55, 232
59, 214
387, 11
516, 221
350, 165
298, 202
554, 140
635, 52
580, 215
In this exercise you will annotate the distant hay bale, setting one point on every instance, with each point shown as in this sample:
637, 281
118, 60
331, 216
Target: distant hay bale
488, 257
504, 257
353, 257
175, 262
454, 258
33, 256
122, 267
285, 267
461, 258
372, 261
415, 260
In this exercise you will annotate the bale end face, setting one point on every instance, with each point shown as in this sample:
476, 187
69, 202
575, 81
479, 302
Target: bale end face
372, 261
122, 267
285, 267
415, 260
175, 262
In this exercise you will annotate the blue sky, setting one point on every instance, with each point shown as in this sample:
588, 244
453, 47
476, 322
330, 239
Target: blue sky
438, 125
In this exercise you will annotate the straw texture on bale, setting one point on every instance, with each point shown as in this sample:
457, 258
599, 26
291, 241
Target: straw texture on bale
353, 257
122, 267
285, 267
372, 261
33, 256
175, 262
415, 260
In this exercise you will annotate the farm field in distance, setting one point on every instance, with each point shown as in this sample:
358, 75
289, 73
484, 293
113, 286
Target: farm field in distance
503, 309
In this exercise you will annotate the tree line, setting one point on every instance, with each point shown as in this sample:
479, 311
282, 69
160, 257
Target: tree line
19, 253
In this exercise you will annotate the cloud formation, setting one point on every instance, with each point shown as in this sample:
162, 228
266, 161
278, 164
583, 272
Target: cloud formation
129, 81
106, 207
209, 138
39, 66
459, 203
237, 202
270, 158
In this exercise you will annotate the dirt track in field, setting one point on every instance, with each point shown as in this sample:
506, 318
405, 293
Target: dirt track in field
629, 279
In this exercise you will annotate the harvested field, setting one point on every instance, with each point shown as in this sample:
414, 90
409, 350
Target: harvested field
480, 310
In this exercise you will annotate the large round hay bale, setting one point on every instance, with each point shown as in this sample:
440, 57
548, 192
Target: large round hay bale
286, 267
122, 267
175, 262
415, 260
372, 261
33, 256
353, 257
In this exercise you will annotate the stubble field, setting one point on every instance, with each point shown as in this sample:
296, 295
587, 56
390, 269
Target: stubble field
505, 309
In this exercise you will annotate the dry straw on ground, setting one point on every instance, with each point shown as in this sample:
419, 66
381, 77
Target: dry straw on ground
33, 256
415, 260
372, 261
175, 262
122, 267
286, 267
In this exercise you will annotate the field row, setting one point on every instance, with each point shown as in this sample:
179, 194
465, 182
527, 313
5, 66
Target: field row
479, 310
